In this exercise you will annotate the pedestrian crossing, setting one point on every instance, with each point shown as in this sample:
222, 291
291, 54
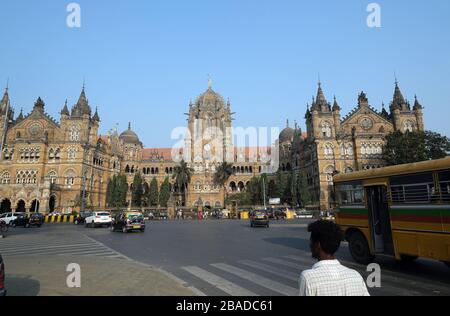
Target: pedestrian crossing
280, 275
70, 244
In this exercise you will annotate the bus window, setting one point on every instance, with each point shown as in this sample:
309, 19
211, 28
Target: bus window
351, 194
413, 188
444, 183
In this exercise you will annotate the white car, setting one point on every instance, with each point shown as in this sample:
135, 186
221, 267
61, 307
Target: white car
9, 217
98, 219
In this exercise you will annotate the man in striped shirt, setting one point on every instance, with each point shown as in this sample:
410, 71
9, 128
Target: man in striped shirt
328, 277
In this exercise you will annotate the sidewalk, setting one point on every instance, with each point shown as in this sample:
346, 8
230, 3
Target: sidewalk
46, 276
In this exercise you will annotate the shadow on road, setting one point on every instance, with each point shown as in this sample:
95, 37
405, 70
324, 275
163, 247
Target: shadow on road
22, 286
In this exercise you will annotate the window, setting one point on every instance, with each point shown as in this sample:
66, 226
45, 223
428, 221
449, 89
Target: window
69, 177
53, 176
444, 183
351, 194
5, 178
26, 177
72, 153
329, 171
326, 129
413, 189
408, 126
74, 133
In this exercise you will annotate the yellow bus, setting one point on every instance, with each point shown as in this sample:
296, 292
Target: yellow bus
402, 211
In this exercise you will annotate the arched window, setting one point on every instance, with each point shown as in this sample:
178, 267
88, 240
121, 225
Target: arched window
408, 126
329, 171
74, 133
69, 176
5, 178
72, 153
328, 151
53, 176
326, 129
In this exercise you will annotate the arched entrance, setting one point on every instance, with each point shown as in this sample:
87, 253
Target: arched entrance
52, 204
5, 206
35, 206
21, 207
208, 206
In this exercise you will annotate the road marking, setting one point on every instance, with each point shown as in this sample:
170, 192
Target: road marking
224, 285
261, 266
257, 279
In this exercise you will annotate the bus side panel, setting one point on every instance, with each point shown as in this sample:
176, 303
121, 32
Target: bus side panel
446, 219
418, 218
425, 245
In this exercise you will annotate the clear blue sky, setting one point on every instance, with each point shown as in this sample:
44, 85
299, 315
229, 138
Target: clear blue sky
143, 60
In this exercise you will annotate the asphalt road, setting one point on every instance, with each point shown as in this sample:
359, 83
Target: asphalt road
230, 258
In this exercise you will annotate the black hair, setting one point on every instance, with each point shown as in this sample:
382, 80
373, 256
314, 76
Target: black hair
328, 234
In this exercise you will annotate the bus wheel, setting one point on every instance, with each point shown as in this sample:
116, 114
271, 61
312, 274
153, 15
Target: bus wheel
359, 248
408, 259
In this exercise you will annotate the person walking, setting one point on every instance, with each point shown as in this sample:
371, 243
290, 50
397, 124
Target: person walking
329, 277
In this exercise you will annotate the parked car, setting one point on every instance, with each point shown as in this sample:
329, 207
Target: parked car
28, 220
280, 214
259, 218
98, 219
10, 217
2, 277
149, 216
80, 219
128, 221
303, 213
270, 214
161, 216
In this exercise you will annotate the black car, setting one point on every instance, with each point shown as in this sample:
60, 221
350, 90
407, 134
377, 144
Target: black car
280, 214
128, 221
270, 214
27, 221
259, 218
80, 219
2, 277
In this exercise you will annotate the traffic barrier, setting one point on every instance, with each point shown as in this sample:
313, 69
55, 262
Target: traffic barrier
59, 218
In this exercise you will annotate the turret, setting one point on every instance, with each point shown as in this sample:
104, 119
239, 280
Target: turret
418, 113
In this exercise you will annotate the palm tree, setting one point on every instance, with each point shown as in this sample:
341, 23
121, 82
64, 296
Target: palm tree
182, 175
222, 175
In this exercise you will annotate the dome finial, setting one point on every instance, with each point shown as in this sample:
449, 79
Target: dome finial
287, 123
210, 82
129, 126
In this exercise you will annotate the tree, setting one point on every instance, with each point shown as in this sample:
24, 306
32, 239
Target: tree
305, 195
222, 175
409, 147
138, 191
117, 191
242, 198
254, 191
182, 175
153, 194
164, 193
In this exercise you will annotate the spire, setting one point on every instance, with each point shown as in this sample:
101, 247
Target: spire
336, 106
362, 99
82, 107
210, 82
96, 117
417, 105
39, 105
20, 117
308, 112
320, 95
65, 110
5, 98
129, 126
398, 101
287, 123
321, 103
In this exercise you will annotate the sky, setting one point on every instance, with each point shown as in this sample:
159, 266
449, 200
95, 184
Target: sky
143, 60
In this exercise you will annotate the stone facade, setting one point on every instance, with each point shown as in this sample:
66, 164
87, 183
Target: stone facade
335, 144
48, 166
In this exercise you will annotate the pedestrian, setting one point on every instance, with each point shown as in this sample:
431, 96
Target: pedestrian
328, 277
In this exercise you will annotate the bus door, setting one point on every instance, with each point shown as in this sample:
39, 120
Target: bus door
379, 219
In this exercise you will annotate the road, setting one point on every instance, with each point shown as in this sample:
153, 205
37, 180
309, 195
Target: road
222, 257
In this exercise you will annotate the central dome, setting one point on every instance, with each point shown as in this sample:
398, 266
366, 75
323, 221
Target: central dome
129, 136
210, 97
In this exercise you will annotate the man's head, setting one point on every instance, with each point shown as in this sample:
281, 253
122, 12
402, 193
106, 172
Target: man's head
326, 238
